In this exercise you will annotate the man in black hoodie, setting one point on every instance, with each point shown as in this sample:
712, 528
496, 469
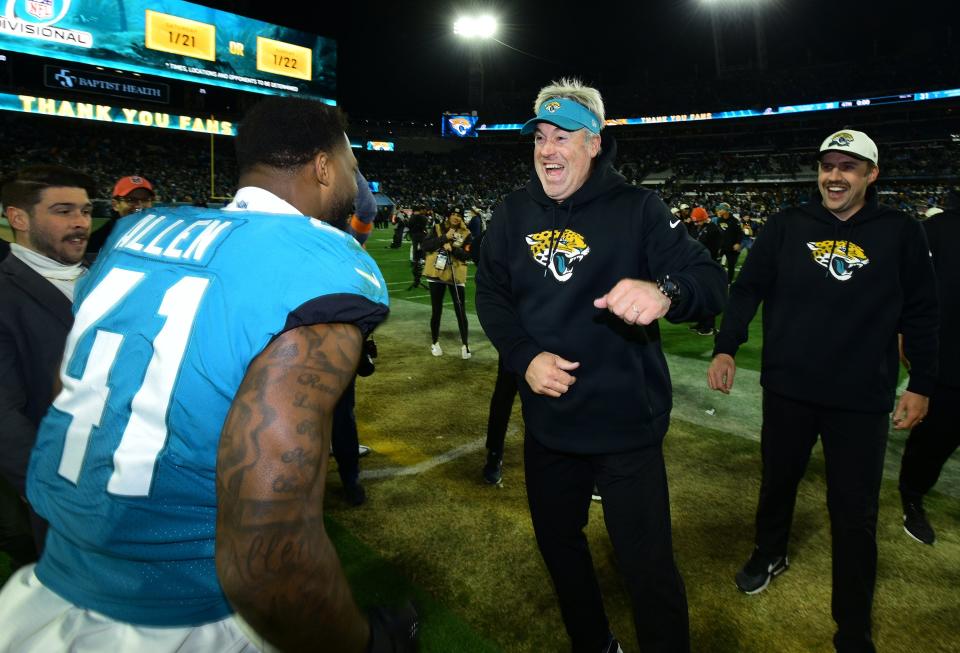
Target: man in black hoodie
574, 272
838, 280
730, 239
930, 444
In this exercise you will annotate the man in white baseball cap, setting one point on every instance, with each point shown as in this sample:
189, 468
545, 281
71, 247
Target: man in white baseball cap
843, 179
853, 143
849, 251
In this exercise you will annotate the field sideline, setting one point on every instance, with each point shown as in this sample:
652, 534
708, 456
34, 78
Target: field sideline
465, 550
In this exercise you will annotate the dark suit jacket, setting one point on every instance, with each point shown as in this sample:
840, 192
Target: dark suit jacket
35, 318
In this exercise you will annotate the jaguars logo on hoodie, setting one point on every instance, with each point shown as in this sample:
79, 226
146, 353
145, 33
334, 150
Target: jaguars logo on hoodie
558, 252
841, 257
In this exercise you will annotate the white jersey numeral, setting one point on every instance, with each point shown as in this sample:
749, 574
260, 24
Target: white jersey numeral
85, 398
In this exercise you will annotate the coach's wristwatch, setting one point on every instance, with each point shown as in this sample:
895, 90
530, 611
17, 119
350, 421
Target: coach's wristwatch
670, 288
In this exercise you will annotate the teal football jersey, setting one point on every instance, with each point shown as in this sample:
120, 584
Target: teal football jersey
167, 321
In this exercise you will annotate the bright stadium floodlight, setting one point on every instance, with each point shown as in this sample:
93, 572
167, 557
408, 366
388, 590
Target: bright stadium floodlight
733, 3
718, 8
475, 27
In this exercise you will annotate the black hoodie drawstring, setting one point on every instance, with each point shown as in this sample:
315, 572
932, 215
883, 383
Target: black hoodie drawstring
833, 248
556, 233
847, 227
553, 236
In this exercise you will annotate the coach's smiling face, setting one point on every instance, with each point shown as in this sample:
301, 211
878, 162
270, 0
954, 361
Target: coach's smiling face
563, 160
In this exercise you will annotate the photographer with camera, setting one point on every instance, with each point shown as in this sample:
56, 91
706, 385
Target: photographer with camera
448, 248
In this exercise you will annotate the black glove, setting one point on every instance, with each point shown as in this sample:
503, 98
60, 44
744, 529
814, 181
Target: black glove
393, 630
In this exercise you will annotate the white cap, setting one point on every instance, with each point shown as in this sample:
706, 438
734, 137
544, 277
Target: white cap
684, 207
932, 211
851, 142
674, 210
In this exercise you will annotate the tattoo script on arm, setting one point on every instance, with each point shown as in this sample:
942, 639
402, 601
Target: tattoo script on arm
274, 560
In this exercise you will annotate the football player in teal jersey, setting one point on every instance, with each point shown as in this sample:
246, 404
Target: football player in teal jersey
183, 463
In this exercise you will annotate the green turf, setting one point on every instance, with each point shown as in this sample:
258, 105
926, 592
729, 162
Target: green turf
377, 582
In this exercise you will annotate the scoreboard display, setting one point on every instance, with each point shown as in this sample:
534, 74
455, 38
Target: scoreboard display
458, 125
175, 39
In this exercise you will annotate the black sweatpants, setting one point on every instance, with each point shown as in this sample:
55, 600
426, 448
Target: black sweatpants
709, 322
853, 448
732, 257
636, 507
416, 260
344, 438
436, 305
930, 444
501, 405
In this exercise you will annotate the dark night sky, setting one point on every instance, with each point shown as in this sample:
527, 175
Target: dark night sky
401, 60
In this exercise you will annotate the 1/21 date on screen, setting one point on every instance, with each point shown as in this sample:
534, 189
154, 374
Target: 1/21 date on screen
179, 38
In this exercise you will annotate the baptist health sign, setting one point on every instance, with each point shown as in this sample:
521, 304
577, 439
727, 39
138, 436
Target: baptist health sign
119, 115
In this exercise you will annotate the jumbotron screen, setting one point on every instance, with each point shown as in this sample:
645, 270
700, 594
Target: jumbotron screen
176, 39
458, 125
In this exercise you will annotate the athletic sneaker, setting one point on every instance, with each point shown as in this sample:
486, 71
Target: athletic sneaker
612, 646
759, 571
355, 494
916, 525
465, 352
596, 494
493, 470
435, 349
362, 450
706, 332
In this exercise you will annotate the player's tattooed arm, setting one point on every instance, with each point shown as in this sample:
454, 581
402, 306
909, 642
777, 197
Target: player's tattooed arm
275, 562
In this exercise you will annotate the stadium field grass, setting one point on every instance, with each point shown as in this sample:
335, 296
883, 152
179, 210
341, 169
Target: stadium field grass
465, 552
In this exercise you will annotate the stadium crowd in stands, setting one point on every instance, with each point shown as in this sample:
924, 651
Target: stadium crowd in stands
177, 163
756, 171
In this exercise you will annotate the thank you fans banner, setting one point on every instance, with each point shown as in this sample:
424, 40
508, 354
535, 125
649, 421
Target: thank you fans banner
115, 114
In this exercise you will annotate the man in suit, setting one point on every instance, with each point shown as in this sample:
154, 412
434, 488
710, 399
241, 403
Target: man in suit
49, 209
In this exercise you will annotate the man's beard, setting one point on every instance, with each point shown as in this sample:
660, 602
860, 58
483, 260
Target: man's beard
44, 244
339, 214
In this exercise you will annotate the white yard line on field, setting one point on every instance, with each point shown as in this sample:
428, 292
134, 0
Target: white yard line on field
426, 465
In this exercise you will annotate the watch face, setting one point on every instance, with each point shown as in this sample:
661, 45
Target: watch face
670, 288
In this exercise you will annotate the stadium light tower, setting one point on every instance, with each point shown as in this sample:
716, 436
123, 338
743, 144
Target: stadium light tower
715, 7
475, 28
